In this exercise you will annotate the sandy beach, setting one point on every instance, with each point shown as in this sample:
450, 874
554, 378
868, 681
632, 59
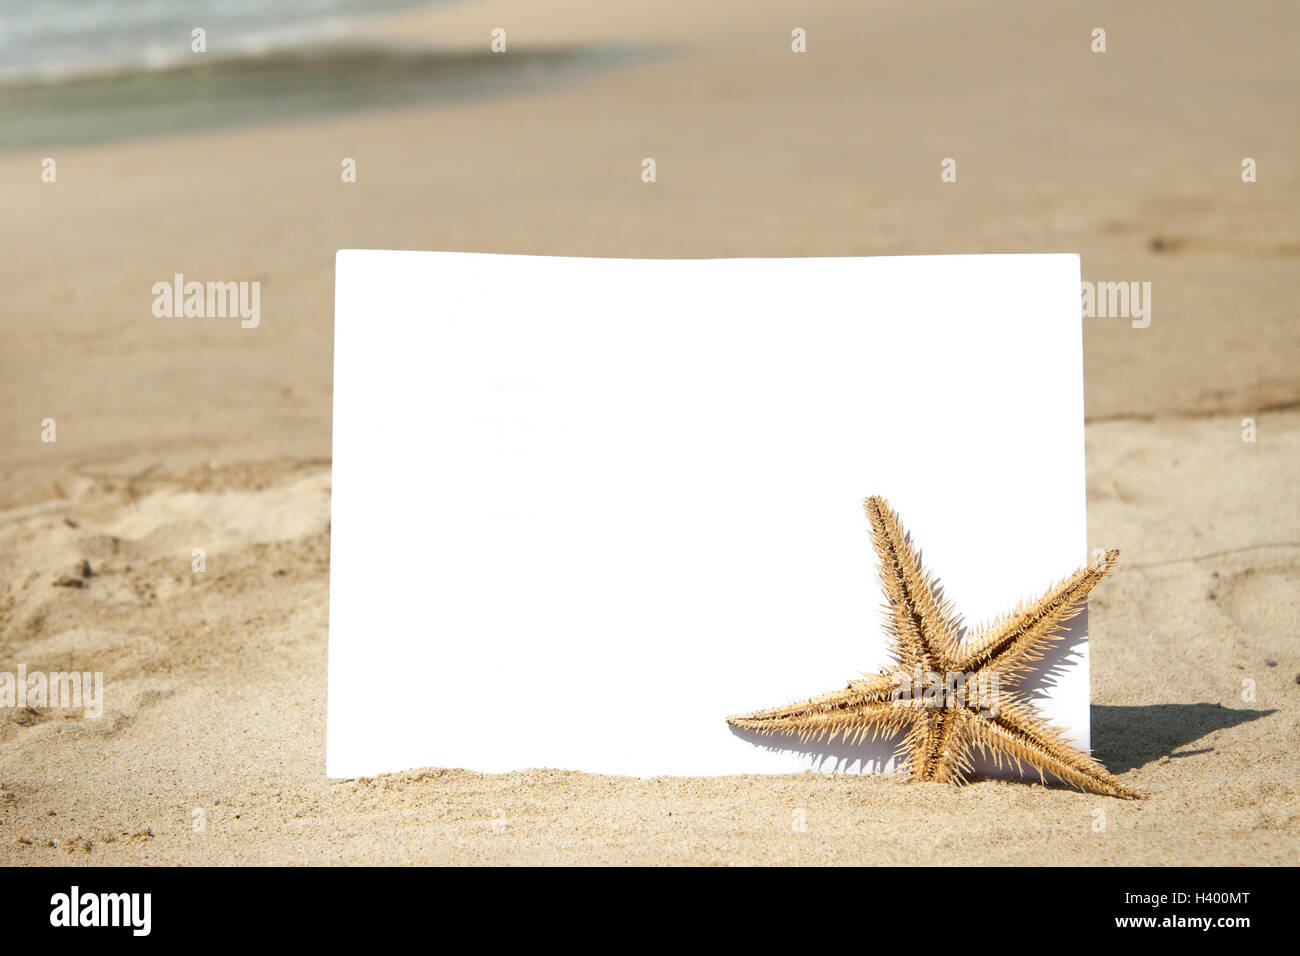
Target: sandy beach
172, 432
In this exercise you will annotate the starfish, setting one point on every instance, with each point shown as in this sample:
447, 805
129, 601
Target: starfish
951, 695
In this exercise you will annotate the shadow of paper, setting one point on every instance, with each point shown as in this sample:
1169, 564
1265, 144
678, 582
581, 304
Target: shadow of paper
1127, 737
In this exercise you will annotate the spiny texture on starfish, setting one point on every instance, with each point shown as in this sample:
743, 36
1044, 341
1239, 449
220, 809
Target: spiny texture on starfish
948, 695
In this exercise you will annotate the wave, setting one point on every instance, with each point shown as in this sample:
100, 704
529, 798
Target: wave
58, 40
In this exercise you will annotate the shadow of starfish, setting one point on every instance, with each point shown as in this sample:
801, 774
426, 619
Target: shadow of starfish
1127, 737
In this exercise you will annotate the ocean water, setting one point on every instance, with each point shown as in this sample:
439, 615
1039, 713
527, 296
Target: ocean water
55, 39
88, 71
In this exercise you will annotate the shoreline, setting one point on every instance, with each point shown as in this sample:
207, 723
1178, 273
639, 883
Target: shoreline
295, 85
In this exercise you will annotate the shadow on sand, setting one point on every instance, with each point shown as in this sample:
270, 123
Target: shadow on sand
1124, 738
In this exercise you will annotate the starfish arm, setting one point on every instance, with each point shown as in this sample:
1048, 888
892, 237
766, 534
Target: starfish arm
863, 710
1017, 732
1013, 643
938, 747
923, 627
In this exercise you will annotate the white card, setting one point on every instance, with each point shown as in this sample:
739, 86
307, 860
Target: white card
585, 509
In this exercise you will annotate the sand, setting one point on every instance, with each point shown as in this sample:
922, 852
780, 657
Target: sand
176, 434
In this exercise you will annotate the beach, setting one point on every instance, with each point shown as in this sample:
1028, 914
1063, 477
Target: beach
173, 431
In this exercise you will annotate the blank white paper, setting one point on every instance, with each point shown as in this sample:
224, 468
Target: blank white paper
585, 509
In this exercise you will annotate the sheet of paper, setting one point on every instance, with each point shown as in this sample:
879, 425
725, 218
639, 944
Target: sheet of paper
585, 509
